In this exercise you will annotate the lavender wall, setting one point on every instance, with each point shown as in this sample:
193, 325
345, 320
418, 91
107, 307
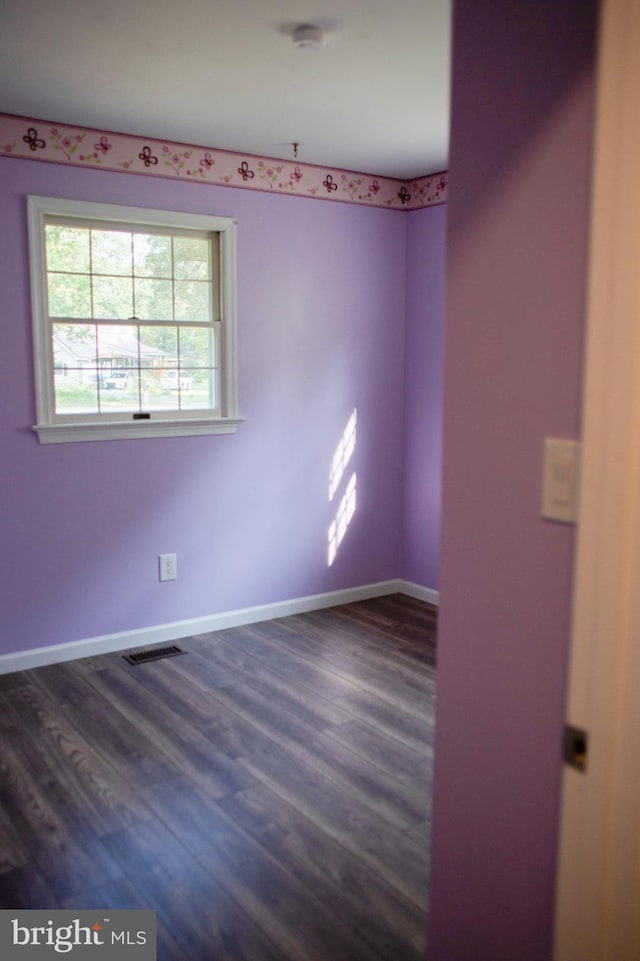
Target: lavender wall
321, 320
518, 220
424, 335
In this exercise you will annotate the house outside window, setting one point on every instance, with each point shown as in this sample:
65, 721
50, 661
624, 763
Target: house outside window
134, 321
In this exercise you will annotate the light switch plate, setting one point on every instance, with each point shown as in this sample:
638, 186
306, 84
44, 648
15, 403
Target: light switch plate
561, 479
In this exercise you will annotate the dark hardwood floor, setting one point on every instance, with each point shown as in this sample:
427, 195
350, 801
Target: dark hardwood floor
268, 793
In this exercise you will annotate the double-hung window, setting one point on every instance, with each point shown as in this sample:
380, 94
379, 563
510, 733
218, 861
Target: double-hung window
134, 320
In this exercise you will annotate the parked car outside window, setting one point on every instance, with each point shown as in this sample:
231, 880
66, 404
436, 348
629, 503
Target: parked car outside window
118, 380
175, 379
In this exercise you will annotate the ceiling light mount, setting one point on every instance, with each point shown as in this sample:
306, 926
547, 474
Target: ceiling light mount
308, 37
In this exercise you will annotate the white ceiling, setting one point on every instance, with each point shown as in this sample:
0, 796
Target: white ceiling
226, 74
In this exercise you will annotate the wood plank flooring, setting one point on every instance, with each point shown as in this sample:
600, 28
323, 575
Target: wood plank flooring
268, 794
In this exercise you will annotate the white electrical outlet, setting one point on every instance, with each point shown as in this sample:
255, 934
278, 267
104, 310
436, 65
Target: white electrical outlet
168, 567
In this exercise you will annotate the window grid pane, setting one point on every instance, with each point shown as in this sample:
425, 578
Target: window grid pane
128, 275
169, 365
118, 368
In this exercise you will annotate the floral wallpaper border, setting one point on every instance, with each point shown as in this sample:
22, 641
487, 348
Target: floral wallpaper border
79, 146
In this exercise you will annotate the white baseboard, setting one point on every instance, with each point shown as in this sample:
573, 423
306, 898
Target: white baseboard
159, 634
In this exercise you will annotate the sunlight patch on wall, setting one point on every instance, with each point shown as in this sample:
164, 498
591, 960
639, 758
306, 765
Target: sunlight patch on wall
342, 455
338, 527
347, 506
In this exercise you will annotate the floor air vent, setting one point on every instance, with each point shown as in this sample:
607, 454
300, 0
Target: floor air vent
155, 655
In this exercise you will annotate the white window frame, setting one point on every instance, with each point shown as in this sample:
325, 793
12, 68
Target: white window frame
56, 428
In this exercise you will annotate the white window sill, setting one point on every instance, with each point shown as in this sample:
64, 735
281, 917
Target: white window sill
125, 430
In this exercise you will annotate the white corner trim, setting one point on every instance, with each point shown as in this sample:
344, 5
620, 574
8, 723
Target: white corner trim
159, 634
427, 594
